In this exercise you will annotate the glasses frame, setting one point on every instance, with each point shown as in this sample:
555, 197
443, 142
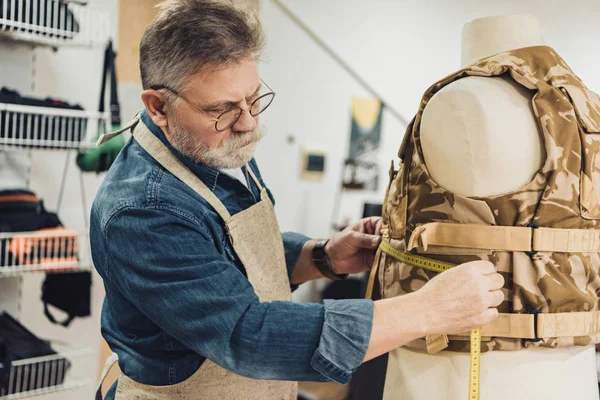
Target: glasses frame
240, 110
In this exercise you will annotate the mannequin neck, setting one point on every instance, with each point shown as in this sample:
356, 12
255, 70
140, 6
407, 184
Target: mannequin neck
485, 37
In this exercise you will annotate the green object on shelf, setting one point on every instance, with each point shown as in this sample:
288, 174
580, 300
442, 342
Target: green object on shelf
101, 158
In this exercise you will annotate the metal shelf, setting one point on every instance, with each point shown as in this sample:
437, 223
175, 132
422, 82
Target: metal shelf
49, 374
43, 251
65, 23
48, 128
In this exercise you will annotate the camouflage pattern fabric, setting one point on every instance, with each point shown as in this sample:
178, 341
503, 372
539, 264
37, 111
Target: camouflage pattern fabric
563, 194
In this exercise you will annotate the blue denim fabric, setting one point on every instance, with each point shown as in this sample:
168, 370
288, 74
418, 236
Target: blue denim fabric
176, 294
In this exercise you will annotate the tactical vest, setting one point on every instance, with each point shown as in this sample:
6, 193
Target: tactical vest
543, 238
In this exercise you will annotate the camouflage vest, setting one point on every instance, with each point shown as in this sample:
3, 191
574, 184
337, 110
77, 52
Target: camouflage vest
543, 238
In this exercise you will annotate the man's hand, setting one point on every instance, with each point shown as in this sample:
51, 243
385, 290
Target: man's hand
455, 301
353, 250
462, 298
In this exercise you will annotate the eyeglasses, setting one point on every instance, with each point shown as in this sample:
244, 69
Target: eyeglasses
229, 118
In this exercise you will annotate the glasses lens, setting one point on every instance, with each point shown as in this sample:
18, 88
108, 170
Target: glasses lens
262, 103
228, 119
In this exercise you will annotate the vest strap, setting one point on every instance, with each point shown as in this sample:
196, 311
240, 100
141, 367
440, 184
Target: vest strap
540, 326
451, 238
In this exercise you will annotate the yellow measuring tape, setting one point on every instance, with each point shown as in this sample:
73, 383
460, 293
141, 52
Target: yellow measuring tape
441, 266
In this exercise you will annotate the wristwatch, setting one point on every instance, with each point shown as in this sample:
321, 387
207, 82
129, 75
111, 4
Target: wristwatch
324, 263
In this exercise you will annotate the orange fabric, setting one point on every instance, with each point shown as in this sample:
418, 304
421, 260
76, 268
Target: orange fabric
19, 197
46, 246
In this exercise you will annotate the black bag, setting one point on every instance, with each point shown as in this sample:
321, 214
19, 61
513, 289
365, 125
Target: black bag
17, 343
70, 292
56, 15
39, 126
22, 211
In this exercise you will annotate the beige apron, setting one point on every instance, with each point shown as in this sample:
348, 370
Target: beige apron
256, 239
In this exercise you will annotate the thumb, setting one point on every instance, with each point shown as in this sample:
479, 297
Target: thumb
363, 240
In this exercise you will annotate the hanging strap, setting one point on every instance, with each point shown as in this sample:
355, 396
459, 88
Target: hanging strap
373, 274
451, 238
163, 155
109, 69
50, 317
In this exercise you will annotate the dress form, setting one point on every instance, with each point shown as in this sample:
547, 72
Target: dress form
468, 135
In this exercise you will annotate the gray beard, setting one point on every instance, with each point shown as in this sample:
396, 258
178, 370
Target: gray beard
227, 155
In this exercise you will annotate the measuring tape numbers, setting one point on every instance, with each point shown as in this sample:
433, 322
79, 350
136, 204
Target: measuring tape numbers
441, 266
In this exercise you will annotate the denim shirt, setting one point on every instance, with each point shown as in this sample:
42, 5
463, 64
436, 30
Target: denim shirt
176, 294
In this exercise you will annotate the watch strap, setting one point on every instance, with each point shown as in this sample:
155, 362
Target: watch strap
324, 263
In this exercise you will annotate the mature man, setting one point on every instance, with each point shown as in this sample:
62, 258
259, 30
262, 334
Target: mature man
198, 276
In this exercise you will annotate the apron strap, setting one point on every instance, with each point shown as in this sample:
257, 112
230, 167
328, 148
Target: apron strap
110, 362
107, 136
254, 178
163, 155
263, 191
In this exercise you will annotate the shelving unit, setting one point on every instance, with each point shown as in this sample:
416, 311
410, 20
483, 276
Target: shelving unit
44, 375
25, 26
48, 128
50, 251
53, 23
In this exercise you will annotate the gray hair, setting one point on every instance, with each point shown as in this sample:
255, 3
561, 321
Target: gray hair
190, 35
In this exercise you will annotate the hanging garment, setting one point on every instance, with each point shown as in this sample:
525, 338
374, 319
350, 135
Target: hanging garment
255, 236
543, 238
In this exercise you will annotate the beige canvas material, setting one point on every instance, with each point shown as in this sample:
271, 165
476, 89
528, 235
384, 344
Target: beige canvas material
529, 326
507, 238
561, 199
257, 241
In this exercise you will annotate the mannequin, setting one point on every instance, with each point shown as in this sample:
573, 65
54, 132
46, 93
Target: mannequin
467, 132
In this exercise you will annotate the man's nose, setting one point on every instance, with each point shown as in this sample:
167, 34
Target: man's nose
246, 122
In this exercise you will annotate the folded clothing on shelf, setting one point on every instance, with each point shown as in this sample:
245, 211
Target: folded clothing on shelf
50, 244
52, 247
17, 343
22, 211
40, 130
53, 17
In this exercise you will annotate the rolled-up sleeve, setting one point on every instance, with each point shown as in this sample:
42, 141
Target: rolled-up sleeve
292, 245
175, 275
344, 338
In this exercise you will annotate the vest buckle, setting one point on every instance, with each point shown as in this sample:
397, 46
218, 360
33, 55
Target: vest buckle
532, 252
535, 312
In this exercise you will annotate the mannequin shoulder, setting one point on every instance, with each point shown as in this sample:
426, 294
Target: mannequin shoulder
476, 102
479, 136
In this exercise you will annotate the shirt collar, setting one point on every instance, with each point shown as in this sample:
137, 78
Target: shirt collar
206, 174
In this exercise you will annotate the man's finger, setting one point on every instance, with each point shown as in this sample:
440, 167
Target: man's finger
496, 281
369, 225
378, 227
363, 240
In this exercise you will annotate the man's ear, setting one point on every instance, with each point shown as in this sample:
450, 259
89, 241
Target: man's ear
154, 101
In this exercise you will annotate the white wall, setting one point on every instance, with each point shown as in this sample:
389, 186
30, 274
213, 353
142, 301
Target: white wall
400, 48
72, 74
